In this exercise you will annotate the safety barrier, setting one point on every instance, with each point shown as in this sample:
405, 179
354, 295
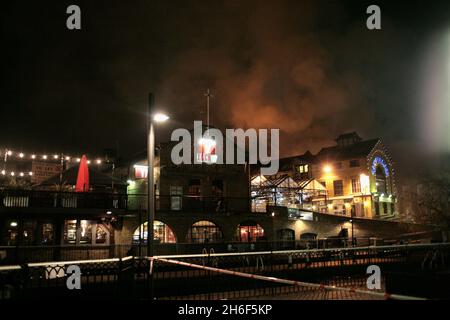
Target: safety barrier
288, 282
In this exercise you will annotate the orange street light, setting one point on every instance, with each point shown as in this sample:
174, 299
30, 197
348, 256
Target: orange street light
327, 168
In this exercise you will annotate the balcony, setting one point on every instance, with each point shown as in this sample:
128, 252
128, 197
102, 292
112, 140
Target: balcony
191, 204
14, 198
18, 199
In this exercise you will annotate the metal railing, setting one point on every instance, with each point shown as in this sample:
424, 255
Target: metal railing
18, 198
21, 198
26, 254
298, 274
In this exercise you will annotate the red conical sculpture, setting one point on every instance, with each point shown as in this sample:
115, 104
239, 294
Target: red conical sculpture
83, 176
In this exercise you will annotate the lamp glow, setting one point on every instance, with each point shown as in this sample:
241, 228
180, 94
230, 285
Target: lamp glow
160, 117
327, 168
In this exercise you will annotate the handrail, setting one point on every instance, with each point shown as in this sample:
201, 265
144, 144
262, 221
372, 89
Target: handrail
423, 245
373, 248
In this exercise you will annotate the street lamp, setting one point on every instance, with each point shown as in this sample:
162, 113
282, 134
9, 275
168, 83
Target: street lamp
152, 118
327, 168
160, 117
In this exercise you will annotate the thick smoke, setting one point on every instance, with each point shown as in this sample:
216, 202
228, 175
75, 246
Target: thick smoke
267, 69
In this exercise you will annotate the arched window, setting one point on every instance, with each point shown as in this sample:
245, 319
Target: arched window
250, 231
308, 236
285, 235
204, 232
381, 180
161, 233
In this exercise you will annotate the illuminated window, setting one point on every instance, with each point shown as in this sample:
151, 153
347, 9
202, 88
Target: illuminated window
29, 230
249, 232
140, 172
70, 232
47, 233
303, 168
85, 232
78, 231
204, 232
12, 232
161, 233
356, 185
101, 234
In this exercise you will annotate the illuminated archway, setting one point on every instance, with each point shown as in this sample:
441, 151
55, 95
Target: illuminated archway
161, 233
204, 232
381, 180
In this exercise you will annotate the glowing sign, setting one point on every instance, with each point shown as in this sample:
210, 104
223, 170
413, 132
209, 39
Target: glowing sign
206, 150
378, 161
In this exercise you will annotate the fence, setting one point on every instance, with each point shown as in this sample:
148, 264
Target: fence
297, 274
13, 198
25, 254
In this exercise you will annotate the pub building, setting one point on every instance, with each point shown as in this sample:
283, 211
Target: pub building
313, 196
353, 178
53, 213
195, 203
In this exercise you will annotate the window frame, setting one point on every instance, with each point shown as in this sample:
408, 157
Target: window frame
341, 187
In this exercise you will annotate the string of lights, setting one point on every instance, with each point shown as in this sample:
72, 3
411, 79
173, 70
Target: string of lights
16, 174
9, 153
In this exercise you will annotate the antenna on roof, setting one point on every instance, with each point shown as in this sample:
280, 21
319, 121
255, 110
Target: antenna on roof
208, 95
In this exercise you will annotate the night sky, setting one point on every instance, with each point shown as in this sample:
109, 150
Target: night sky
310, 68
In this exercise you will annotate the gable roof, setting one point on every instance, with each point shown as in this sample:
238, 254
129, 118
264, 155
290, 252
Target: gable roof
358, 149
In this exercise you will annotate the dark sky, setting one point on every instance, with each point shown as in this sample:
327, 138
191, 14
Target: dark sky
310, 68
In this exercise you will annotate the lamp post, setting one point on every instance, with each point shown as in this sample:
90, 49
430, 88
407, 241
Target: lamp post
150, 177
152, 117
